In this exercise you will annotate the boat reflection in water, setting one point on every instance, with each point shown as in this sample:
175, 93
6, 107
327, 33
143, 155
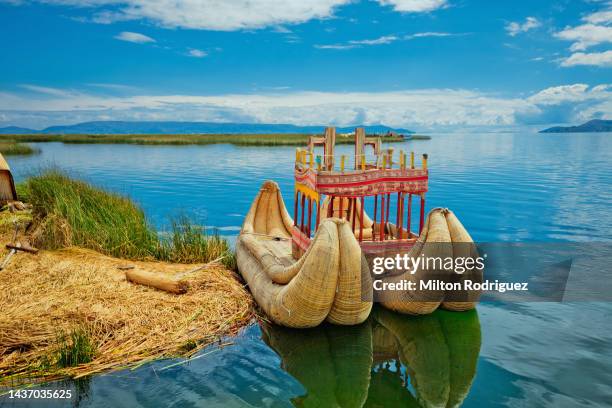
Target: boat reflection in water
390, 360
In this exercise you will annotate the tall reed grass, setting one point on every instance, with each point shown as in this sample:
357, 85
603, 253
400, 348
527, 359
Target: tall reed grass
11, 148
70, 212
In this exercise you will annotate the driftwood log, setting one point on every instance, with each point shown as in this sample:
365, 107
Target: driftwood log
157, 280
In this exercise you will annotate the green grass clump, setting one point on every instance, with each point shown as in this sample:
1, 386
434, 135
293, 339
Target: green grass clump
9, 148
74, 348
69, 212
190, 243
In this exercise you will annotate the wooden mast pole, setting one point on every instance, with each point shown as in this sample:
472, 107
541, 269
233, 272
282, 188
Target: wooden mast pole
361, 219
382, 217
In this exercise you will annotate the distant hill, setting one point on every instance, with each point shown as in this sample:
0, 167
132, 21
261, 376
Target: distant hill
152, 127
16, 130
595, 125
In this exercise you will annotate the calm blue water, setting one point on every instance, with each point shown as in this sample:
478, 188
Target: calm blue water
503, 187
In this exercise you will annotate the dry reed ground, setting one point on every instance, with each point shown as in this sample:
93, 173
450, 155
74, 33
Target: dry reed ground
55, 292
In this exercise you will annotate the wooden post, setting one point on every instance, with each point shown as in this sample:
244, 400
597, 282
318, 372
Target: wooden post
382, 217
330, 207
412, 160
388, 205
425, 162
375, 211
318, 162
311, 159
309, 216
360, 137
422, 218
400, 214
409, 218
341, 208
363, 163
303, 202
384, 161
318, 214
328, 148
348, 211
342, 158
361, 219
295, 208
354, 214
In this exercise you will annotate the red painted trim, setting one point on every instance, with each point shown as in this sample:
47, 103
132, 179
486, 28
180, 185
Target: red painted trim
373, 181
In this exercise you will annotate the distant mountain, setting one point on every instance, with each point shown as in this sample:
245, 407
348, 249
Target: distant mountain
119, 127
595, 125
16, 130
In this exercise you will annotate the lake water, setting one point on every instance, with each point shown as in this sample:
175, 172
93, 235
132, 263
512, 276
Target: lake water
503, 187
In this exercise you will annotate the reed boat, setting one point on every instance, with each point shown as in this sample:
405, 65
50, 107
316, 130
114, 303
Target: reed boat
317, 265
7, 184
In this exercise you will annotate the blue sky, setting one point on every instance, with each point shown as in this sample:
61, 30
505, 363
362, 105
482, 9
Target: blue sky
422, 64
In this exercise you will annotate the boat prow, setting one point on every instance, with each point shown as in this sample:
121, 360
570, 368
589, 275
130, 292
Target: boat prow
324, 284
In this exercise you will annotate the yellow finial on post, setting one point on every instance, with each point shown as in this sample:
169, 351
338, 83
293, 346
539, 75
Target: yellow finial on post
402, 158
342, 158
362, 162
412, 160
425, 161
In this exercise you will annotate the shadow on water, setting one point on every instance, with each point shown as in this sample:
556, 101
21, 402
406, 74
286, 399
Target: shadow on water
390, 360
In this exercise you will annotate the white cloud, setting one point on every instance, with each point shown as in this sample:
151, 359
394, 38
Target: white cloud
209, 14
194, 52
600, 59
47, 90
420, 108
600, 17
112, 87
428, 34
515, 28
335, 46
574, 103
386, 39
223, 15
596, 31
585, 36
414, 6
134, 37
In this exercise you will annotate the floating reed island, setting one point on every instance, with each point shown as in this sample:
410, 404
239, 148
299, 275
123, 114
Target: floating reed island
316, 266
104, 291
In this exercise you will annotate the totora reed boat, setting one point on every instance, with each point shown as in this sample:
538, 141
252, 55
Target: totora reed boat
317, 266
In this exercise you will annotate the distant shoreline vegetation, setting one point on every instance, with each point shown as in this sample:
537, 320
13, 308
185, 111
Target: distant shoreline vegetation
279, 139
